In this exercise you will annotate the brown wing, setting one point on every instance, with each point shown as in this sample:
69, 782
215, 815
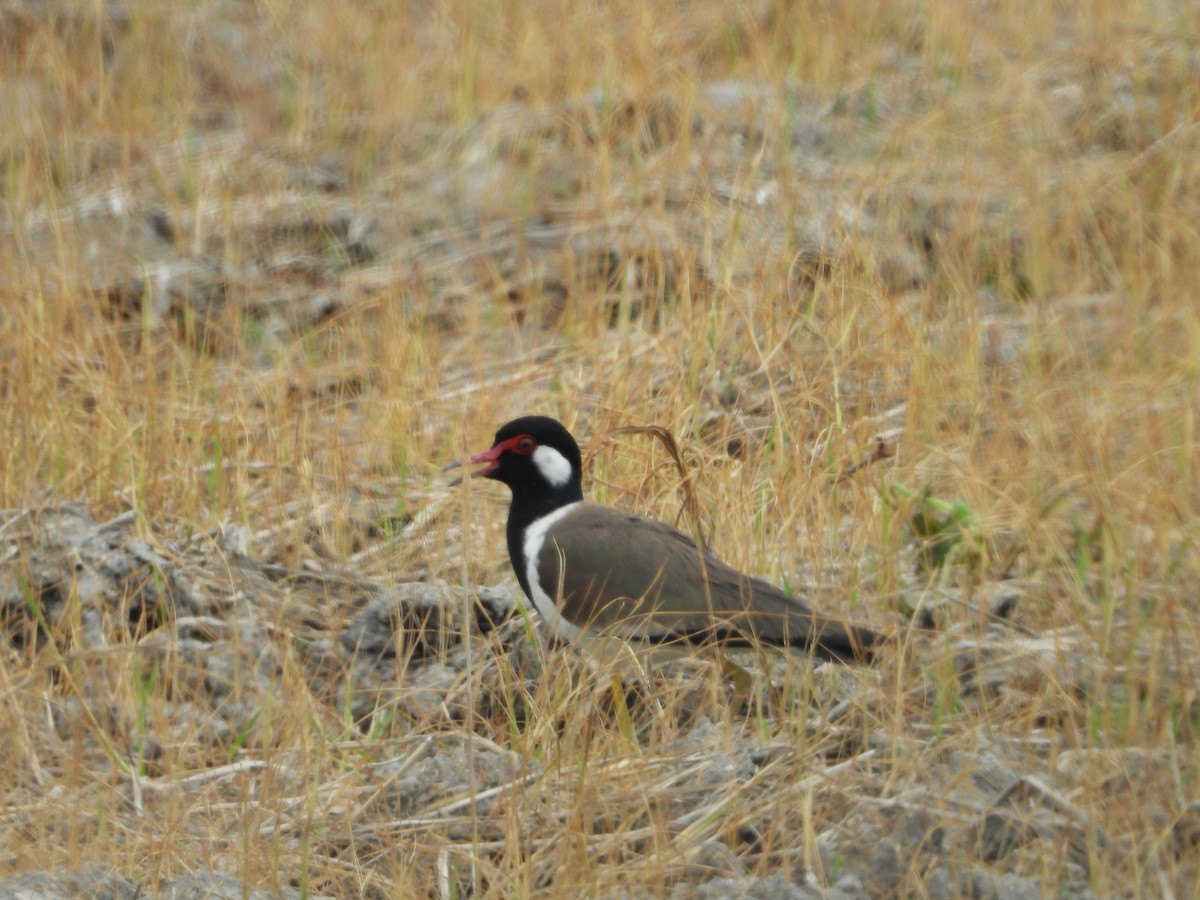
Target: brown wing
618, 569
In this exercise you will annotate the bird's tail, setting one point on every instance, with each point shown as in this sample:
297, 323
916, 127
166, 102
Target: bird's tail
839, 642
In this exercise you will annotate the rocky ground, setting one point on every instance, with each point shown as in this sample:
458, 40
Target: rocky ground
221, 624
229, 631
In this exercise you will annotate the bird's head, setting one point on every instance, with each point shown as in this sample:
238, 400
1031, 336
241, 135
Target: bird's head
532, 453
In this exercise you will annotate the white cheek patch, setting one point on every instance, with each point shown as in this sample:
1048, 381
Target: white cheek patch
553, 466
535, 537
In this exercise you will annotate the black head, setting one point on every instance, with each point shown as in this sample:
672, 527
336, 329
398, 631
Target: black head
540, 461
535, 454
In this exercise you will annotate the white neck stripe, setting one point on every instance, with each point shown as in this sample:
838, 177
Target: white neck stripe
553, 465
544, 602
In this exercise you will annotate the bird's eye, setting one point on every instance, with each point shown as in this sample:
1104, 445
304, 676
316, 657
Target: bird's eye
526, 446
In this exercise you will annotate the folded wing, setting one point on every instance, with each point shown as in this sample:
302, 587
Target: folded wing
644, 579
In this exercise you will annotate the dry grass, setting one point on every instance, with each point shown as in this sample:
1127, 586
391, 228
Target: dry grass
269, 268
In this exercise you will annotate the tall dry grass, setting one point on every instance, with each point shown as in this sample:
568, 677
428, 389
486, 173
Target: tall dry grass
1006, 269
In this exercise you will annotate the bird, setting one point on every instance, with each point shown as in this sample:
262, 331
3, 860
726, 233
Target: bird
590, 569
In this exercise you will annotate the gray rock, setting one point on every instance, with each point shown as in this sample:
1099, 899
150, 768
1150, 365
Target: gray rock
918, 831
774, 888
496, 606
120, 583
713, 858
218, 886
429, 693
885, 868
851, 885
945, 883
413, 621
1000, 833
433, 771
1016, 887
93, 883
941, 885
987, 772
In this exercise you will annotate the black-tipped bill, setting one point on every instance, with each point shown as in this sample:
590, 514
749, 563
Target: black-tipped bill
491, 457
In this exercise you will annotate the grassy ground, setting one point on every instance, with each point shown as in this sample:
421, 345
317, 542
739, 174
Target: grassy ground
266, 268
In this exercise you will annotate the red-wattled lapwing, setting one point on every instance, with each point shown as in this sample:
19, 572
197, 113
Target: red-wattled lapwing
592, 569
